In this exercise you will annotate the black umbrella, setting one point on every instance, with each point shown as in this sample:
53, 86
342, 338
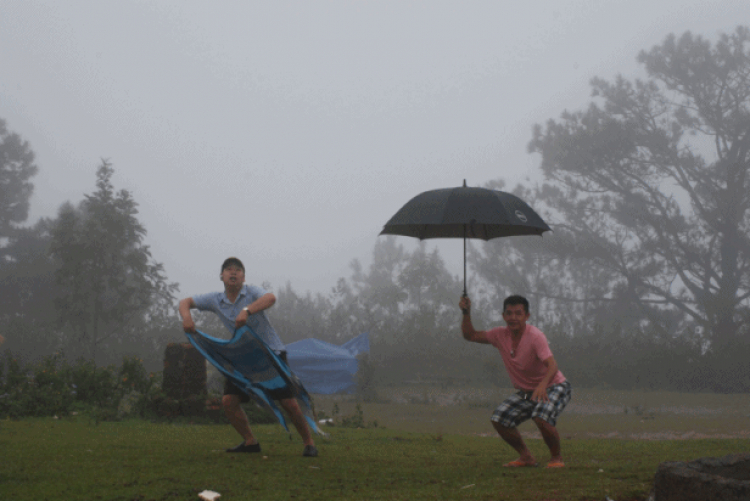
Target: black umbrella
465, 213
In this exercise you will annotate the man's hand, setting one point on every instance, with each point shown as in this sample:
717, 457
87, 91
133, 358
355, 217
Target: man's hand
241, 319
465, 304
540, 394
188, 325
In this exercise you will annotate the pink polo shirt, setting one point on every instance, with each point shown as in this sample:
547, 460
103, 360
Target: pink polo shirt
526, 369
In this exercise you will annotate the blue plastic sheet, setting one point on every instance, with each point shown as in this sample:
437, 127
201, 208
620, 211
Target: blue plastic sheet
254, 368
327, 368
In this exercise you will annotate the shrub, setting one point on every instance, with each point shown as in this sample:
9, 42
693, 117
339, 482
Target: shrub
95, 386
42, 389
54, 387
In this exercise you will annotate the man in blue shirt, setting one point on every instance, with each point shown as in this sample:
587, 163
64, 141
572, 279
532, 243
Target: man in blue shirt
237, 305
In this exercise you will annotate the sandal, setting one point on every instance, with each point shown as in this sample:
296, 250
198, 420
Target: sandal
520, 464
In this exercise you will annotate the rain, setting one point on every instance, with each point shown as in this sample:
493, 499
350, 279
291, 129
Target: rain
288, 133
142, 143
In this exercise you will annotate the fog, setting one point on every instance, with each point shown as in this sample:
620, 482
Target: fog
288, 133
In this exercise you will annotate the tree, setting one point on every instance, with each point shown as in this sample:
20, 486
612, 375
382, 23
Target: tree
376, 294
28, 292
408, 302
109, 288
652, 183
304, 316
553, 272
16, 169
24, 264
429, 312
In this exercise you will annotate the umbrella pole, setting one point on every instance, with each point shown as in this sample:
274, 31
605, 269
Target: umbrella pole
464, 260
465, 254
464, 310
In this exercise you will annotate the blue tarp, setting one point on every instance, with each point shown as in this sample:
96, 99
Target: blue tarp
326, 368
251, 365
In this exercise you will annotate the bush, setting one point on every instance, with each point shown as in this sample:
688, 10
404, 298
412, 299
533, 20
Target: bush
356, 420
94, 386
43, 389
54, 387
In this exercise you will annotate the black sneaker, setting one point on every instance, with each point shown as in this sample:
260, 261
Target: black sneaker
310, 451
245, 448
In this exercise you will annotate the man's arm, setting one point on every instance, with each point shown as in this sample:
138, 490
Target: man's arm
467, 328
188, 325
262, 303
540, 393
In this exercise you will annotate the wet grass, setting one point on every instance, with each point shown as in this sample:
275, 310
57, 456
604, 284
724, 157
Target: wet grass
71, 458
591, 413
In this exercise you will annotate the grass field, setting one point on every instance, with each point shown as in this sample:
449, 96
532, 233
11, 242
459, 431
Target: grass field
430, 450
641, 415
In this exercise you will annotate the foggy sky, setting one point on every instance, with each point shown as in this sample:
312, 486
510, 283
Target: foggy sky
288, 133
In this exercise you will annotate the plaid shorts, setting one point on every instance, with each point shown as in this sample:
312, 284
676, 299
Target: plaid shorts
516, 409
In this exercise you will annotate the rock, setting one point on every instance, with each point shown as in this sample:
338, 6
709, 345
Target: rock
725, 478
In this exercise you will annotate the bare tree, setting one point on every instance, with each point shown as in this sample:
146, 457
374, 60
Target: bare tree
652, 182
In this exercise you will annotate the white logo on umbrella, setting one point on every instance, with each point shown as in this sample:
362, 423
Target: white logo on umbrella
520, 215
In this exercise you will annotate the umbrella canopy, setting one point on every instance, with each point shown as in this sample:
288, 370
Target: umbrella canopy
465, 212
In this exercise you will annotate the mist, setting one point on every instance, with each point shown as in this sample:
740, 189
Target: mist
288, 134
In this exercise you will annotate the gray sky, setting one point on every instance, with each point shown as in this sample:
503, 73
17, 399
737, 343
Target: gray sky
288, 133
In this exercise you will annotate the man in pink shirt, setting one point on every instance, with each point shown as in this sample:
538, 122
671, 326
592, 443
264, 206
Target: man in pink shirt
543, 391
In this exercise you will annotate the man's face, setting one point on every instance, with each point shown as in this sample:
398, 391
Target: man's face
233, 275
515, 317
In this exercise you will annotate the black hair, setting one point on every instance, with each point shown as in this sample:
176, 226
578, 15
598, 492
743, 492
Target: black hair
516, 299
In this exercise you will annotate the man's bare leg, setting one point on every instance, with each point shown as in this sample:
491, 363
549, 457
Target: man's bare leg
551, 438
291, 406
238, 418
513, 438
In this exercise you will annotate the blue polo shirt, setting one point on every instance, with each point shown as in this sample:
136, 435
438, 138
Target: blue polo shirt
227, 311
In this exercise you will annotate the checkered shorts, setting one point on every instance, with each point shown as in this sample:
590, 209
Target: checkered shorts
516, 409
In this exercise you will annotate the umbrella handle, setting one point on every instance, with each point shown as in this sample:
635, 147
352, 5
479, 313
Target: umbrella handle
464, 310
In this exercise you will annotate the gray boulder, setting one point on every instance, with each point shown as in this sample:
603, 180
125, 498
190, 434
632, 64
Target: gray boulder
724, 478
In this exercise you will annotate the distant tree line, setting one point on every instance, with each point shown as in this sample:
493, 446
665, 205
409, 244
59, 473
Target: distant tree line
645, 280
643, 283
83, 283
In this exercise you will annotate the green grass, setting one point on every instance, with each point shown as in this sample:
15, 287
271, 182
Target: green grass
46, 459
591, 413
426, 451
